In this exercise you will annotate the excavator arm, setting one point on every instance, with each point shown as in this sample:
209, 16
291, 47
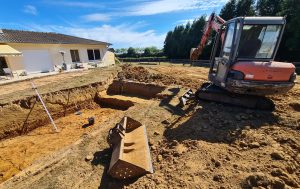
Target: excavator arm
214, 22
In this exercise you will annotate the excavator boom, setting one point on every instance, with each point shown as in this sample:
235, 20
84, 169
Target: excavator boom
214, 22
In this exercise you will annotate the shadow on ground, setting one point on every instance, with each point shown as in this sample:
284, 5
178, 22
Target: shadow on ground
165, 103
103, 158
218, 123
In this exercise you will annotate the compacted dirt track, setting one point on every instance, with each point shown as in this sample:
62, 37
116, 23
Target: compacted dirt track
203, 145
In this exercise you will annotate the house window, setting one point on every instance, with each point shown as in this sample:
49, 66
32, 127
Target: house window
94, 54
75, 55
3, 63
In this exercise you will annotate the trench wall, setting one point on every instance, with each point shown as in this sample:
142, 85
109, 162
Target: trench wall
21, 116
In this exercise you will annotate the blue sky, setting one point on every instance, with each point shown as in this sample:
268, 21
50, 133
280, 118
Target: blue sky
137, 23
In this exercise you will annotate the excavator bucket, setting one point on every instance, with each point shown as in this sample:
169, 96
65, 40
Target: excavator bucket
131, 154
186, 97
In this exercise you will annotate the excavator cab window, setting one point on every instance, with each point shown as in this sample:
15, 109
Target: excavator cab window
228, 41
258, 41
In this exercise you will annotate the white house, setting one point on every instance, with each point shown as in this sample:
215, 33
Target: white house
34, 52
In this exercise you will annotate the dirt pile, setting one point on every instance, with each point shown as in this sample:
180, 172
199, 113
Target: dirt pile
141, 74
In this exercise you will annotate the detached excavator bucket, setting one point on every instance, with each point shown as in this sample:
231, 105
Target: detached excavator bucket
131, 154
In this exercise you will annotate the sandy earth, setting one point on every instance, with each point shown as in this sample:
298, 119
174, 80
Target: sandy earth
19, 152
13, 87
204, 145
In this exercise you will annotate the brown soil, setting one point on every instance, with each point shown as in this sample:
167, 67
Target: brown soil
22, 115
204, 145
20, 152
167, 75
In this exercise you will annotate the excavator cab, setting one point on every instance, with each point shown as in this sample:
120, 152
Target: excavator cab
243, 55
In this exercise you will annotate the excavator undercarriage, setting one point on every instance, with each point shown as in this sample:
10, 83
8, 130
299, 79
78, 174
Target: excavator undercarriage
211, 92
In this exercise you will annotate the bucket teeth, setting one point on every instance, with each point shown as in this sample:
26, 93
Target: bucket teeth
131, 153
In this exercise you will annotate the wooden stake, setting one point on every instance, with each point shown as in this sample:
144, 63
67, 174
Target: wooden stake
40, 98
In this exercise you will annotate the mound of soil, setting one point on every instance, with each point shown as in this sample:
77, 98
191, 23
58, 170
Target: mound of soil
141, 74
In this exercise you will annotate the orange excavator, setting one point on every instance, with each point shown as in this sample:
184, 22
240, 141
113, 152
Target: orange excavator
242, 67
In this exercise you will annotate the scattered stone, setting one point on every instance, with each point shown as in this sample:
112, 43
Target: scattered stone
78, 113
298, 157
278, 172
254, 145
227, 158
89, 157
159, 158
291, 169
248, 127
180, 149
243, 144
153, 147
151, 142
263, 143
156, 133
217, 163
278, 155
289, 181
218, 178
278, 184
166, 122
174, 143
258, 179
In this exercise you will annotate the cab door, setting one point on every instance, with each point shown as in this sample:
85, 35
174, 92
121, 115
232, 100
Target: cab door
223, 62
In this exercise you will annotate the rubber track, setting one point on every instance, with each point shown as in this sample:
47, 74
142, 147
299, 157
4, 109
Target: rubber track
210, 92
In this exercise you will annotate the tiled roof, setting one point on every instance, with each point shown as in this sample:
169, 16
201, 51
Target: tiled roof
19, 36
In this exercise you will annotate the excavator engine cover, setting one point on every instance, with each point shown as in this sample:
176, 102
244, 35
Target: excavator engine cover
131, 154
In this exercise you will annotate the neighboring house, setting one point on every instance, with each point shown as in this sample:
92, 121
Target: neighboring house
35, 52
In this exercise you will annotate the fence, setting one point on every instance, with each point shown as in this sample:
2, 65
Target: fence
155, 61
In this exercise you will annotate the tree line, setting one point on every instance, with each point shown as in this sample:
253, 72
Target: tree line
139, 52
179, 41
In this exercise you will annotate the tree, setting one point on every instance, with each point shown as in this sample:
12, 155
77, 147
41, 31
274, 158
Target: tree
289, 49
168, 44
131, 52
147, 52
245, 8
268, 7
229, 10
179, 42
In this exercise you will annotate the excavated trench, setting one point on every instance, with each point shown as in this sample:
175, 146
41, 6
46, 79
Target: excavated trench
24, 115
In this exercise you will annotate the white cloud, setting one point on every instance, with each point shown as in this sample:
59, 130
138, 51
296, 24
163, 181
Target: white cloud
81, 4
123, 35
184, 22
166, 6
96, 17
30, 9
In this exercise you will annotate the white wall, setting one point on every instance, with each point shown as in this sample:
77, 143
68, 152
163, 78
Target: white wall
15, 63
